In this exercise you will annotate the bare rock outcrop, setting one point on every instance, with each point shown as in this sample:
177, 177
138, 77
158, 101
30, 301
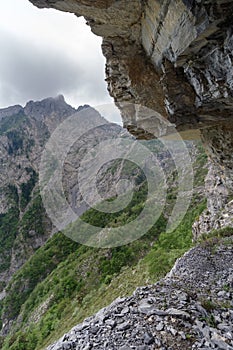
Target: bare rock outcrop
174, 57
171, 56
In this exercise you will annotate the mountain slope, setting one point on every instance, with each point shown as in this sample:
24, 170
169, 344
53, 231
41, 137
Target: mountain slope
66, 282
24, 224
86, 280
189, 309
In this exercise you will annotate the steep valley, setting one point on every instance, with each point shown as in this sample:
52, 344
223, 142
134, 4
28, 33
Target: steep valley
157, 273
49, 282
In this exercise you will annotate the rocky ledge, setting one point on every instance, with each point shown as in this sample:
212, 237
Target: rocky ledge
191, 308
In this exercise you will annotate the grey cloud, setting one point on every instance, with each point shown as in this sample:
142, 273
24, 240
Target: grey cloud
31, 71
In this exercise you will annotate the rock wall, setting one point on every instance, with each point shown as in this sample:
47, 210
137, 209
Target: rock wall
174, 57
218, 143
171, 56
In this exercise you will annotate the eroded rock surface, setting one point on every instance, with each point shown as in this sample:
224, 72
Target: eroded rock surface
218, 142
174, 57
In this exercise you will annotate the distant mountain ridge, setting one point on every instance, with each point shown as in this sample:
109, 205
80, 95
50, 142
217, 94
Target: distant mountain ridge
45, 107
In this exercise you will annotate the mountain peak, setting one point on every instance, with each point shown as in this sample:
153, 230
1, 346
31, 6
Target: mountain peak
60, 98
48, 106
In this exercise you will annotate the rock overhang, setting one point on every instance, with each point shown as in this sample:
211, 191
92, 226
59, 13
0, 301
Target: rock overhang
174, 57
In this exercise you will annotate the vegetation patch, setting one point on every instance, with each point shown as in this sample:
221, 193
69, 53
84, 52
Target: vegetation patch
65, 282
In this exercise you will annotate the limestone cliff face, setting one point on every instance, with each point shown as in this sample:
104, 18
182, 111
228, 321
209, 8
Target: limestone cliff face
218, 141
171, 56
174, 57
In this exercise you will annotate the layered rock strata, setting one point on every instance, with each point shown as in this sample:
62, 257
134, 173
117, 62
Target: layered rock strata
171, 56
174, 57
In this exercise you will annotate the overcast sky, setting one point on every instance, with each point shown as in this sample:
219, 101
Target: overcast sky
47, 52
